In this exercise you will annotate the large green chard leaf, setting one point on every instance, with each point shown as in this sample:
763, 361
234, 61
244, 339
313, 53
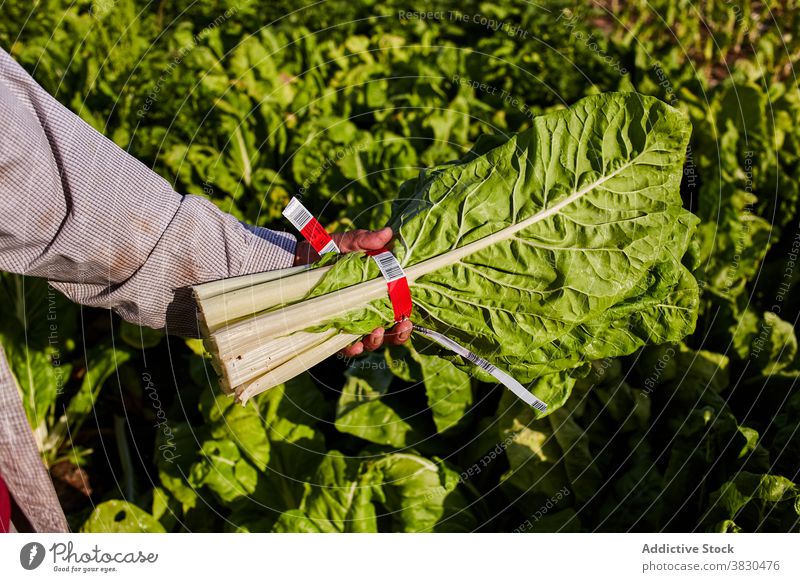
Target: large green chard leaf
422, 495
363, 411
241, 424
561, 244
338, 498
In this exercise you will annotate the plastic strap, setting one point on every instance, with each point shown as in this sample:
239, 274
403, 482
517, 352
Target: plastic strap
497, 374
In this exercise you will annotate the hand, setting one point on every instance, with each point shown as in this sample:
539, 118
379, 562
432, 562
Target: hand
348, 242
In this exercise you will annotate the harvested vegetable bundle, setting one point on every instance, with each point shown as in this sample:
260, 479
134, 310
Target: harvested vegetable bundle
559, 245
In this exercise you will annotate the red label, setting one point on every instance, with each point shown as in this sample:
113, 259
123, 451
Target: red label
316, 234
400, 295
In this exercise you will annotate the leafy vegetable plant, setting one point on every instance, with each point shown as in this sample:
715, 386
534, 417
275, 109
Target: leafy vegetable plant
561, 244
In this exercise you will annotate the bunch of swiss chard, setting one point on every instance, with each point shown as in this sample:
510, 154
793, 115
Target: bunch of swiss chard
540, 252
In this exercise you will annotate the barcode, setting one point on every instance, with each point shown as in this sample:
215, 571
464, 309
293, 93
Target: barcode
297, 214
499, 375
480, 362
329, 248
539, 405
389, 266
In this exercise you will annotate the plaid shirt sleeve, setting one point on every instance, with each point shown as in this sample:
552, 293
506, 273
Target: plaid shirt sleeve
108, 232
81, 212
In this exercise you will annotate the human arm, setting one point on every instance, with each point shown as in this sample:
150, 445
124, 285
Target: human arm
109, 232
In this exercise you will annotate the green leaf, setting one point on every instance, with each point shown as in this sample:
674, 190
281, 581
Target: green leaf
295, 521
243, 425
121, 517
338, 498
421, 495
176, 451
548, 454
531, 252
165, 508
139, 337
774, 347
296, 448
222, 470
754, 503
363, 410
101, 364
37, 335
449, 390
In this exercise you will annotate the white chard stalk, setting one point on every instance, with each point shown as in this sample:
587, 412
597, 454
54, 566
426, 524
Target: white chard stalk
256, 346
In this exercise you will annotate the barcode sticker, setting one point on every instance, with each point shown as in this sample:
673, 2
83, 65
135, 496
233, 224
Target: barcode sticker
396, 283
498, 375
329, 248
297, 214
309, 227
390, 268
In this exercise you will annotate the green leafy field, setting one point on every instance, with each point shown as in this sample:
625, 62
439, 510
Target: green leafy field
250, 103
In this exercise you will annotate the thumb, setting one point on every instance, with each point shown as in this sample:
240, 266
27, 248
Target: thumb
365, 240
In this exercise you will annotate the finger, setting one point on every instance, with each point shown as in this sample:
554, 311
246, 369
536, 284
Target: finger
353, 350
374, 340
399, 333
375, 239
346, 240
365, 240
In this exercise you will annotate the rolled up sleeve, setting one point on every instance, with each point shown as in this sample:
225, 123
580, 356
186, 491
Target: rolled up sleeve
103, 227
